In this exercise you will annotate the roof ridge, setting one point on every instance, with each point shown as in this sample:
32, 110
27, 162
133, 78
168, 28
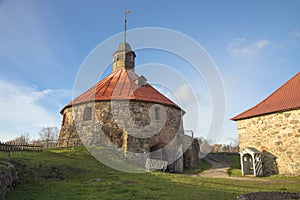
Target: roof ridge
121, 71
99, 86
120, 85
132, 85
239, 116
282, 86
91, 88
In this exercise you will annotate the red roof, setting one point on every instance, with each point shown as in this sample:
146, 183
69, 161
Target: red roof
121, 84
287, 97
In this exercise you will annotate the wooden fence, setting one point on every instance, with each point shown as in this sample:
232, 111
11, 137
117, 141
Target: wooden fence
60, 143
11, 148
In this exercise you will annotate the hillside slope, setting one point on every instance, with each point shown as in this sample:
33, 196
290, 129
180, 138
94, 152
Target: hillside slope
74, 174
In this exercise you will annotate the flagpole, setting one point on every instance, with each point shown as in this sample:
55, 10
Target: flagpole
125, 24
125, 21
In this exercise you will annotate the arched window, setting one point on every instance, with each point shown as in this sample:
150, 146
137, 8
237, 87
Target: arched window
87, 114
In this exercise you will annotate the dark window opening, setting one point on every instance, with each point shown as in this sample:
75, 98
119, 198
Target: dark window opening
157, 114
87, 115
156, 152
128, 58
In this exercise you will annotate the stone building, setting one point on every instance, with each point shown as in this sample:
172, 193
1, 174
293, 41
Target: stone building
273, 128
126, 112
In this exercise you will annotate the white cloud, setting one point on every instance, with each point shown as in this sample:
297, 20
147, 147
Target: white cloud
238, 48
198, 110
185, 95
22, 110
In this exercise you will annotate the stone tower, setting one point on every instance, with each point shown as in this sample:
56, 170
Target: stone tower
124, 111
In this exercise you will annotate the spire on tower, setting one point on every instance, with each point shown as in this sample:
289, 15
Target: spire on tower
124, 56
125, 23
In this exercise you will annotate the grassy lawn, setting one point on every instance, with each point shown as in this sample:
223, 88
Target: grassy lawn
235, 165
204, 166
74, 174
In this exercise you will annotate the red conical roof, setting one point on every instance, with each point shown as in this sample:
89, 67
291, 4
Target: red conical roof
121, 84
287, 97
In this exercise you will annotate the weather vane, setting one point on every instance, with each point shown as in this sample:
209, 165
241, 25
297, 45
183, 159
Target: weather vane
125, 22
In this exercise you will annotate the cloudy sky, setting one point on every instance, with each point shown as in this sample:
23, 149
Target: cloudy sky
254, 44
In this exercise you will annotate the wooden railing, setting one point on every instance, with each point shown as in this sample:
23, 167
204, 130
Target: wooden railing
154, 164
11, 148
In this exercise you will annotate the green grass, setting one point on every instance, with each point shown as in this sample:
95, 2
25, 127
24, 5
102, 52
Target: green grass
234, 161
235, 165
282, 178
203, 167
236, 172
69, 174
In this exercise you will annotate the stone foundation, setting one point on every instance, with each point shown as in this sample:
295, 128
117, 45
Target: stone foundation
277, 136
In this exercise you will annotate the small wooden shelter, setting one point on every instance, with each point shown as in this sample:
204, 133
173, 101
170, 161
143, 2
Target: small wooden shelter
251, 163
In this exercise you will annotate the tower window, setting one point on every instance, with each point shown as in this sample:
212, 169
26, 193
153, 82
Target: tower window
157, 115
128, 58
87, 114
64, 119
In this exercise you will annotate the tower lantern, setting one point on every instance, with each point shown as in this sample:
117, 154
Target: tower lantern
124, 57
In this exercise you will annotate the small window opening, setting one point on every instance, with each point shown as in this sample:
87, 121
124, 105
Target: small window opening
87, 115
157, 114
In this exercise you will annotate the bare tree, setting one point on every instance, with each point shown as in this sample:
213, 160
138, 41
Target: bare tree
205, 146
48, 135
23, 139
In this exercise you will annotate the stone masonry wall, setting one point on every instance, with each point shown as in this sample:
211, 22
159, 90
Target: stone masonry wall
132, 125
191, 157
278, 137
8, 177
111, 118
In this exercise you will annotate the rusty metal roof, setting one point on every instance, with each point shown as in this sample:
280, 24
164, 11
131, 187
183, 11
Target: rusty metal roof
287, 97
121, 84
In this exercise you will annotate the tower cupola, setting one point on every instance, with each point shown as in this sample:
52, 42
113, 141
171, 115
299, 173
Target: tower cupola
124, 57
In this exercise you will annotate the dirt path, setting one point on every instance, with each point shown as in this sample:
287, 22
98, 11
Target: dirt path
219, 170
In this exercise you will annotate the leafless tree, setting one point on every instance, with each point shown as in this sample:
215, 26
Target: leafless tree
48, 135
23, 139
205, 146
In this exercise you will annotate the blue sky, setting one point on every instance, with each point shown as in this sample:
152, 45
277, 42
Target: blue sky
255, 45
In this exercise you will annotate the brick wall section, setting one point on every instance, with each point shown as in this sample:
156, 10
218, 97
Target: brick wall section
278, 137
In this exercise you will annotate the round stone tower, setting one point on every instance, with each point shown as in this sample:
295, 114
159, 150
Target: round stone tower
126, 112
